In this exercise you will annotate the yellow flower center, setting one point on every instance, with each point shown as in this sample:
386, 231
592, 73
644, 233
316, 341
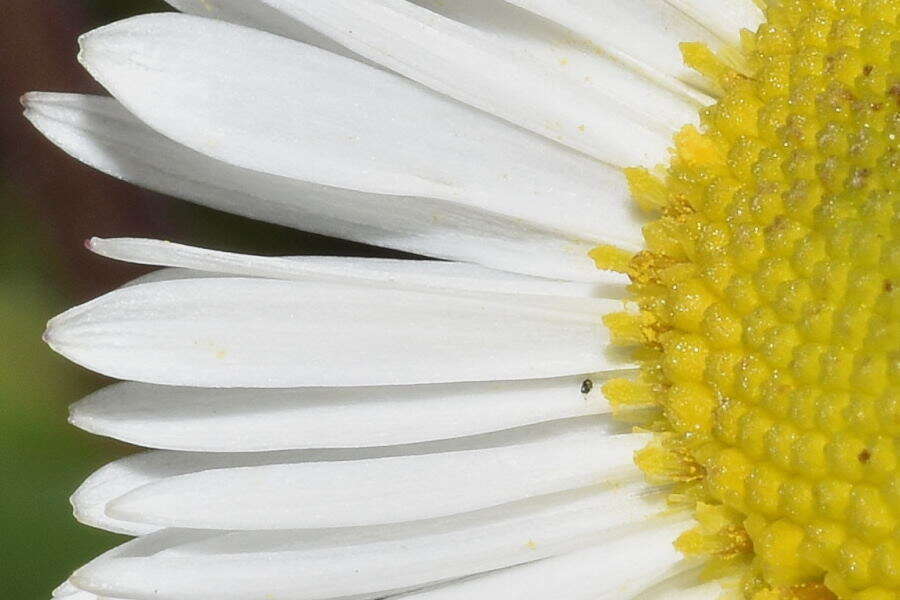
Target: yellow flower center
766, 312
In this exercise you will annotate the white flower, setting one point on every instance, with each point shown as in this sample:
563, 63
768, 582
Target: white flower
432, 430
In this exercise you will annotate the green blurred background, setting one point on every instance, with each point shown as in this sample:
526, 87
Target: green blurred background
49, 204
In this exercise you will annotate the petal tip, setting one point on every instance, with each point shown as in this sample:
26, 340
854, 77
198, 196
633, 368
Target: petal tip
84, 579
27, 99
129, 508
59, 335
87, 45
55, 333
100, 246
83, 416
77, 416
84, 43
37, 107
31, 103
48, 335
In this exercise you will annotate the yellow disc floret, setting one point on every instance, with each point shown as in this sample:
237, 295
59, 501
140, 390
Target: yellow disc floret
768, 321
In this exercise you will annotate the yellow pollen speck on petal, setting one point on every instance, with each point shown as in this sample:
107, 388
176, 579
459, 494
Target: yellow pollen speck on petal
768, 317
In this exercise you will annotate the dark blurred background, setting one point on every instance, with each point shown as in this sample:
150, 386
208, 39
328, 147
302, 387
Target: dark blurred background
49, 204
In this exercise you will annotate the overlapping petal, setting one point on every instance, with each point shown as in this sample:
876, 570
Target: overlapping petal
643, 34
242, 332
407, 274
439, 53
252, 420
342, 562
621, 568
270, 104
366, 487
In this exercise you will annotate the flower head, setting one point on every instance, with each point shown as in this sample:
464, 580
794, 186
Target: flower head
711, 411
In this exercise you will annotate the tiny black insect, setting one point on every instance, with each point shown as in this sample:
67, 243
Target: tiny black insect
586, 386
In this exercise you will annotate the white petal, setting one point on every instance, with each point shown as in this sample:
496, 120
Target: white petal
64, 589
246, 420
615, 570
227, 332
130, 473
142, 546
119, 477
326, 563
82, 595
463, 63
689, 585
68, 591
643, 34
408, 274
169, 275
259, 16
102, 134
274, 105
531, 38
724, 18
537, 39
382, 490
78, 594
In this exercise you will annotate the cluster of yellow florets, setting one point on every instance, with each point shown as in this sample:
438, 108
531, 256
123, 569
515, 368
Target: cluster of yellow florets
769, 318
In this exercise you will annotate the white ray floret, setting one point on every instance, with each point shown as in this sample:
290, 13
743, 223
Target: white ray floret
535, 41
77, 594
316, 333
341, 562
172, 274
246, 420
724, 18
101, 133
407, 274
293, 110
643, 34
68, 591
439, 53
259, 15
689, 585
64, 589
120, 477
617, 569
377, 490
557, 48
142, 546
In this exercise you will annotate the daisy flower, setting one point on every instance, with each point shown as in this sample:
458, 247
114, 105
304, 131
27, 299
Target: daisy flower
659, 359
